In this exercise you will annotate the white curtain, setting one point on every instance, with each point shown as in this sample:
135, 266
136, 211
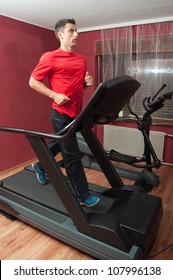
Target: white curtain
146, 53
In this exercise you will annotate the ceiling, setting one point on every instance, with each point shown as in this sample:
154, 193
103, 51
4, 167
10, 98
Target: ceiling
89, 14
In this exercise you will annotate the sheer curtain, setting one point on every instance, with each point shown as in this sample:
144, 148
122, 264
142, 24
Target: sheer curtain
146, 53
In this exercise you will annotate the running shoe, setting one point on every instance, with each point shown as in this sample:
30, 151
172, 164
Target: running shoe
41, 176
90, 201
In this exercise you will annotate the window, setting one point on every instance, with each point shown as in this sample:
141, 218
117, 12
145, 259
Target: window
148, 58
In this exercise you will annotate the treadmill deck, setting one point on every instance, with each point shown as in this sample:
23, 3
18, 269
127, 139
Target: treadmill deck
24, 197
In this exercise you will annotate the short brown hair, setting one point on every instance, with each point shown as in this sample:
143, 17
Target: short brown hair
61, 24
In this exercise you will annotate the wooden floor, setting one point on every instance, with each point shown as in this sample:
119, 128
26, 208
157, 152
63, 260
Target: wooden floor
21, 241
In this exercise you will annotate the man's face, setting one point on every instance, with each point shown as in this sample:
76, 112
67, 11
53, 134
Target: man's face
68, 36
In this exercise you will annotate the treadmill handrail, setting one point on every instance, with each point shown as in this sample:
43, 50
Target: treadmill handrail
62, 135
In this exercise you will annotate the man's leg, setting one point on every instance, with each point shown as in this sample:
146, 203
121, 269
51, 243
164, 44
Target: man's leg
72, 161
40, 173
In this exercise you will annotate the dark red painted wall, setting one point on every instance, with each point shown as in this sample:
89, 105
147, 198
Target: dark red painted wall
86, 46
21, 46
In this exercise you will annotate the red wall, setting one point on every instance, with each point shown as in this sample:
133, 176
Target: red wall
21, 46
86, 46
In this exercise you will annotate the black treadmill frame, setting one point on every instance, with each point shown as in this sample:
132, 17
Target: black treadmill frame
83, 230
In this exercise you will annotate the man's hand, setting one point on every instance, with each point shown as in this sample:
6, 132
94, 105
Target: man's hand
88, 81
61, 99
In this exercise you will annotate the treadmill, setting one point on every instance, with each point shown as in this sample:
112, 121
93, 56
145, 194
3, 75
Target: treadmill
122, 226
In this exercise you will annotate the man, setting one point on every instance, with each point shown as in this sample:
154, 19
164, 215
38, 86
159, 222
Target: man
67, 75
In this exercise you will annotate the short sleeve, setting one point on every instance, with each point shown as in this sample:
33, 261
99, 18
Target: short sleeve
44, 67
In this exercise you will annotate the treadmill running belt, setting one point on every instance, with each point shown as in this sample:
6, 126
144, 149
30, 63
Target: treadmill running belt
26, 184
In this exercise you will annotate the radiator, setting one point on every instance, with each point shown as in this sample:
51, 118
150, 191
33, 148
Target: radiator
130, 141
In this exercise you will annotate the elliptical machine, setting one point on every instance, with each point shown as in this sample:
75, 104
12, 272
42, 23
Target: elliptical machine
146, 178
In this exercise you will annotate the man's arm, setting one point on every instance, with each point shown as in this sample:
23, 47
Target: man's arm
43, 89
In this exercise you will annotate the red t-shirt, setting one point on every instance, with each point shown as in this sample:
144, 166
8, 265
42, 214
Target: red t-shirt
66, 73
